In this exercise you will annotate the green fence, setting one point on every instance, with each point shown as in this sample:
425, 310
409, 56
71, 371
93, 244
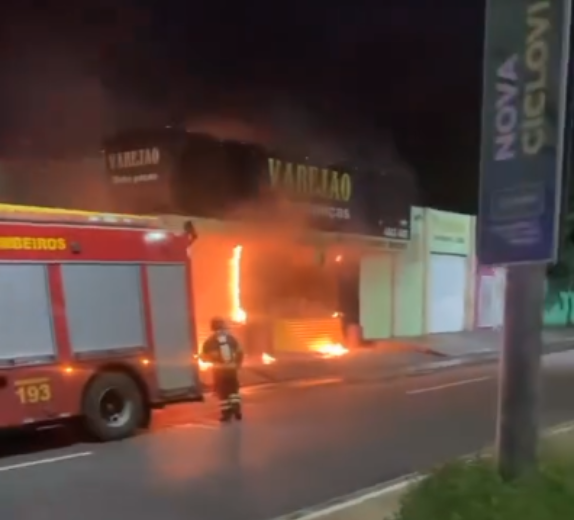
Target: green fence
559, 303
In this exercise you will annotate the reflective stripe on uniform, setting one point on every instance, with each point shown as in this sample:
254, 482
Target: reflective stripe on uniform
224, 348
235, 398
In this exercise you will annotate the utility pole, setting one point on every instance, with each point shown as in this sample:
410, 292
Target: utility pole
523, 149
517, 427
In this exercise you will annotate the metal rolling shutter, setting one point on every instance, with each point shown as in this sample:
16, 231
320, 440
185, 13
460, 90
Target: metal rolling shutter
446, 294
300, 335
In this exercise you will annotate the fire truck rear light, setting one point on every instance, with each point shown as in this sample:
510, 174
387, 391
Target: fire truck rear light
145, 361
155, 236
67, 370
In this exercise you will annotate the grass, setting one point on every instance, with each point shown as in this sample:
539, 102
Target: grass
473, 490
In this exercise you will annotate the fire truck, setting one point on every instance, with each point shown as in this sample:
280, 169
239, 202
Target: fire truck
96, 320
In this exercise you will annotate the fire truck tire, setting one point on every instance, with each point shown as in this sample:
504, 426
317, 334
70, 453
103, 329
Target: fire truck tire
113, 407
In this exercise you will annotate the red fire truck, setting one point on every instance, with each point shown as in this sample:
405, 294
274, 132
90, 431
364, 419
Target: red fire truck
95, 320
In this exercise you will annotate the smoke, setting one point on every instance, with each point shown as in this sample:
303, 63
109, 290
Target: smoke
303, 133
54, 111
323, 134
52, 99
69, 184
55, 104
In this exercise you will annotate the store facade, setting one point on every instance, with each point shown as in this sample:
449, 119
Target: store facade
433, 278
449, 273
294, 252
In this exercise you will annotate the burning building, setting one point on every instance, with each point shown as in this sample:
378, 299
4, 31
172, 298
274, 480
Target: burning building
289, 250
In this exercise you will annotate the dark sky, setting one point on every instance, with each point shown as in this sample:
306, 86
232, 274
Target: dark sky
391, 83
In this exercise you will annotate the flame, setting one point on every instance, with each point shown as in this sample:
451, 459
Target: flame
238, 315
329, 350
267, 359
203, 365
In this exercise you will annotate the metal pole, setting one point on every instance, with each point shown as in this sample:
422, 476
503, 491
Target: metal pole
517, 428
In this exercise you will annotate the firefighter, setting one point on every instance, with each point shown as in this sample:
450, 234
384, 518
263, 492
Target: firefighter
224, 353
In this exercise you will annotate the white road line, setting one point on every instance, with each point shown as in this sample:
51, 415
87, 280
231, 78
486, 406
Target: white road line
448, 385
560, 429
199, 426
355, 499
51, 460
307, 383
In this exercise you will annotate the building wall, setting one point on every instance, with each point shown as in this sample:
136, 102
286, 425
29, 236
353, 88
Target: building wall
558, 308
490, 283
472, 266
489, 307
409, 281
376, 296
398, 297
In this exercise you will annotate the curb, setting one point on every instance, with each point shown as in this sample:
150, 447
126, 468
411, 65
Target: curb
352, 499
386, 488
485, 357
549, 346
475, 359
425, 368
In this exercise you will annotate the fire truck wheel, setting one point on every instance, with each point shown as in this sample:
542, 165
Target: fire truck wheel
113, 407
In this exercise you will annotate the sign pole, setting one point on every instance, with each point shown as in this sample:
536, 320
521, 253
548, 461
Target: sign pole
523, 147
517, 428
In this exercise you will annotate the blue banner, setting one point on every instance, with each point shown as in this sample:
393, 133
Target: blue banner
525, 70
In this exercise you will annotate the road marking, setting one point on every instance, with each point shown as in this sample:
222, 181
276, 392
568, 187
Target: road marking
386, 488
448, 385
348, 501
560, 429
307, 383
301, 383
199, 426
51, 460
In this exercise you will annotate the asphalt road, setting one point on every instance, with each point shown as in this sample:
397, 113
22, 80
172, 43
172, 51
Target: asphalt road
299, 445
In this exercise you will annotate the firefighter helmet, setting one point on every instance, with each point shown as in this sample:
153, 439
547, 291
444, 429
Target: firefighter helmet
217, 323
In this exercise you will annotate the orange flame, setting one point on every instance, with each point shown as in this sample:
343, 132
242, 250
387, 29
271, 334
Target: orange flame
238, 315
204, 365
328, 349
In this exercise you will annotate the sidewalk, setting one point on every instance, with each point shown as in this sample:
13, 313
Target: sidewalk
477, 342
357, 364
394, 357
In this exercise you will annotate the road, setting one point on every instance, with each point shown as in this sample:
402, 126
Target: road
299, 445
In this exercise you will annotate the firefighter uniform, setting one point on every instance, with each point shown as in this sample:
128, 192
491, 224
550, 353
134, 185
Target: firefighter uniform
224, 353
